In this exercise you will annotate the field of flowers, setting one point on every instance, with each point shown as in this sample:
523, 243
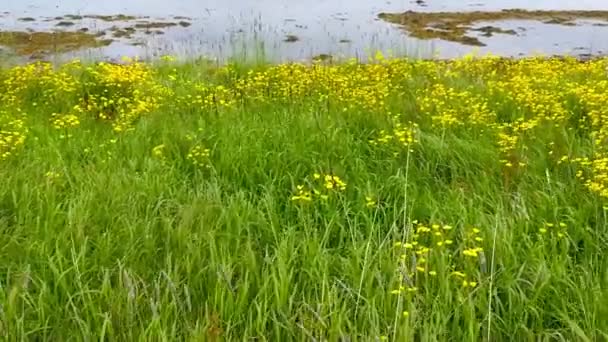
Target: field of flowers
391, 200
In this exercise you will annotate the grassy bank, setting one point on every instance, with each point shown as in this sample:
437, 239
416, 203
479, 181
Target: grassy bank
391, 200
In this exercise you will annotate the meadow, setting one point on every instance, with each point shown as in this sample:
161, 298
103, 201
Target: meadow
390, 200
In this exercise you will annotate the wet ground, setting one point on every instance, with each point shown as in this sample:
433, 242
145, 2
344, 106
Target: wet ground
288, 29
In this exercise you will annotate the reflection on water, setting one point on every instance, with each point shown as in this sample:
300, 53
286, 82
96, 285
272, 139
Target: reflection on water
295, 30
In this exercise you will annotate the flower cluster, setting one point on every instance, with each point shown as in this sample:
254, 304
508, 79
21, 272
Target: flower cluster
64, 121
320, 186
199, 156
440, 250
449, 106
12, 135
52, 175
159, 151
554, 229
400, 137
122, 93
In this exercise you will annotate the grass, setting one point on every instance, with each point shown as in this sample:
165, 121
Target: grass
393, 200
454, 26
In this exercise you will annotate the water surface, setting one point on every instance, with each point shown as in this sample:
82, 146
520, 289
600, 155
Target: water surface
334, 27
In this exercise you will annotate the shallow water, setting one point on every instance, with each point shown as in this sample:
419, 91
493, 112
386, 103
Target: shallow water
340, 28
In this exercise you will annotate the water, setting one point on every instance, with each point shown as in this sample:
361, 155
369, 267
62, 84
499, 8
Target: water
224, 28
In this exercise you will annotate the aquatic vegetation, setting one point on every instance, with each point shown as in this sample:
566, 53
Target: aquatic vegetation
454, 26
389, 200
154, 24
115, 17
29, 43
40, 44
290, 38
125, 32
73, 17
65, 23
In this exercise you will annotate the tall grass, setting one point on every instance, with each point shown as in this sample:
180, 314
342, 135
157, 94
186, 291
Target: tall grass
128, 235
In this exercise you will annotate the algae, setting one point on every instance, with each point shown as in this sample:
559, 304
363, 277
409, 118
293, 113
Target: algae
125, 32
149, 32
323, 58
64, 24
290, 38
43, 43
116, 17
154, 25
454, 26
489, 31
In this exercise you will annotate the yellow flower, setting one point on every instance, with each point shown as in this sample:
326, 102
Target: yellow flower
466, 283
167, 58
304, 198
370, 203
334, 182
199, 156
158, 151
472, 252
52, 175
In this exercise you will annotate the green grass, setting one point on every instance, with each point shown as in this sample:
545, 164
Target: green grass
124, 246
